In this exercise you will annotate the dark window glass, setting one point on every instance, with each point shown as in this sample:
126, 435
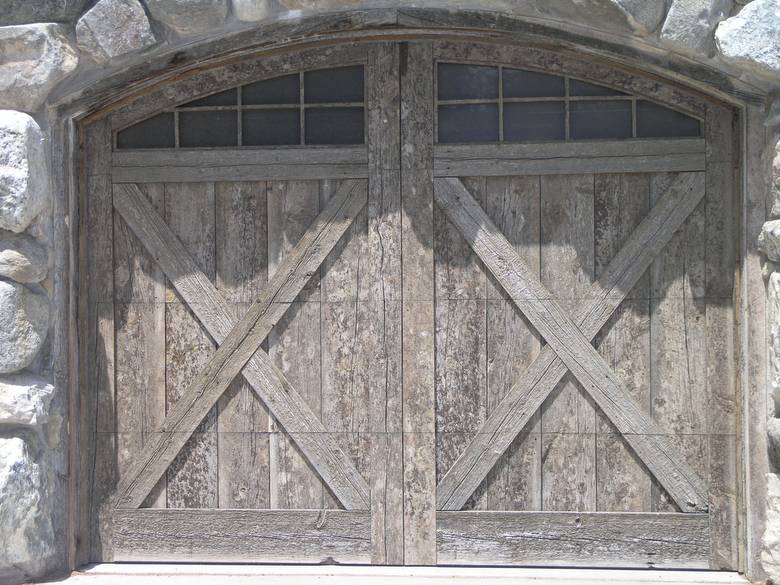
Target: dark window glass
526, 121
219, 128
518, 83
341, 85
581, 88
156, 132
334, 126
224, 98
468, 123
280, 90
600, 119
270, 127
654, 121
463, 82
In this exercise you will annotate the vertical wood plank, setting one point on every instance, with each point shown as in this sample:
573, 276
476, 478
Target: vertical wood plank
568, 415
241, 273
419, 446
382, 290
139, 286
294, 343
678, 340
460, 340
192, 477
513, 204
98, 440
621, 202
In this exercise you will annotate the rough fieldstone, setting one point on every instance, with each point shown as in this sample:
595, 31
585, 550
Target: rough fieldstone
25, 399
112, 28
24, 186
22, 258
24, 322
690, 23
639, 16
769, 240
35, 57
770, 555
251, 10
752, 37
773, 432
26, 539
187, 17
27, 11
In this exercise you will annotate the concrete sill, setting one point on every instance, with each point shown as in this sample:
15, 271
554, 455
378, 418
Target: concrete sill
178, 574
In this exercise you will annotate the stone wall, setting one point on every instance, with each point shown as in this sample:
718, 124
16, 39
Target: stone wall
54, 50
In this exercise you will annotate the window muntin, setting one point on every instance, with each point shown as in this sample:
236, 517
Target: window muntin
486, 103
319, 107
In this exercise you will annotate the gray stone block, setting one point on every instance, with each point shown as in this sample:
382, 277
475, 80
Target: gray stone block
112, 28
752, 37
24, 323
22, 258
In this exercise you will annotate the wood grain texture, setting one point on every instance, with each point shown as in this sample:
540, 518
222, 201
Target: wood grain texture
192, 475
241, 275
568, 416
281, 398
572, 347
558, 158
197, 166
241, 536
574, 539
419, 425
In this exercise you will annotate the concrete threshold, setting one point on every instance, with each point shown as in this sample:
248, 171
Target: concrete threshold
182, 574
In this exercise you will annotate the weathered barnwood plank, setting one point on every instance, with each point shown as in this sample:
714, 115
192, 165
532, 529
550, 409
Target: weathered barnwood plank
515, 482
618, 156
574, 349
419, 424
196, 166
514, 412
568, 417
460, 340
241, 276
294, 342
622, 201
192, 475
139, 316
381, 289
275, 391
242, 536
574, 539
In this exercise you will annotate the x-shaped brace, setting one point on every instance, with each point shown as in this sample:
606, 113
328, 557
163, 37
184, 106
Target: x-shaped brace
239, 346
569, 346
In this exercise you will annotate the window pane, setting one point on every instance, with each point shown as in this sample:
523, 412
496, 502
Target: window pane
341, 85
468, 123
518, 83
600, 119
528, 121
463, 82
218, 128
155, 132
654, 121
581, 88
334, 126
224, 98
280, 90
270, 127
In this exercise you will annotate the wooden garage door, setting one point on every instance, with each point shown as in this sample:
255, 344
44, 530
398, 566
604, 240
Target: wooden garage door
411, 303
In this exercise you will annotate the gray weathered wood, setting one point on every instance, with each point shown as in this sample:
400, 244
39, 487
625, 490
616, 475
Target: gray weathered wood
568, 416
609, 156
572, 347
419, 425
283, 401
574, 539
192, 475
241, 276
196, 166
241, 536
621, 202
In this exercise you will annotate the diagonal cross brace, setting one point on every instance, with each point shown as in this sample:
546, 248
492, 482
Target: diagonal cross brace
568, 347
239, 342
